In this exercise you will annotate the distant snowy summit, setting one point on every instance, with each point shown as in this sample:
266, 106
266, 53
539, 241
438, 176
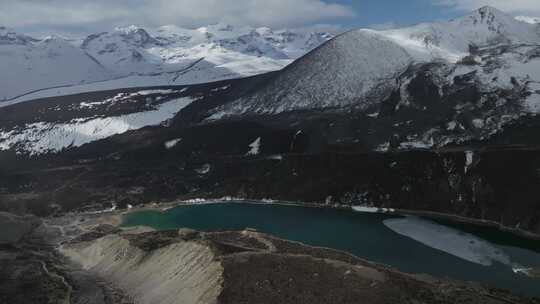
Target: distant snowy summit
132, 56
171, 48
28, 64
169, 55
419, 87
361, 67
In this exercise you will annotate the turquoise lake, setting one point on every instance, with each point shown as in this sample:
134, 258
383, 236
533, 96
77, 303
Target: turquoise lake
458, 251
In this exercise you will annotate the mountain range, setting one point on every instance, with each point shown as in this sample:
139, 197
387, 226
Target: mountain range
438, 117
132, 56
474, 64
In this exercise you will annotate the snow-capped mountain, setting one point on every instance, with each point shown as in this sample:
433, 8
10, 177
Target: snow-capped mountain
280, 44
135, 57
121, 50
28, 64
172, 50
447, 82
453, 39
132, 50
361, 66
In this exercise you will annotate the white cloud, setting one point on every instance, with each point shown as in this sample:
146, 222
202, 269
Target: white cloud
511, 6
102, 14
528, 19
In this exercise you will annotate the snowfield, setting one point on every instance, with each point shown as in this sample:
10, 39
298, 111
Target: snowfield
27, 65
42, 137
203, 72
255, 147
134, 57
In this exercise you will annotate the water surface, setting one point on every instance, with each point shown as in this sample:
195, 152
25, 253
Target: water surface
413, 245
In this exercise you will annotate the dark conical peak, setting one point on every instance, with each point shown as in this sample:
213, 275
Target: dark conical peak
136, 35
494, 18
488, 12
490, 9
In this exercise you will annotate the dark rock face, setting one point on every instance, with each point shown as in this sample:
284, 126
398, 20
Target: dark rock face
493, 184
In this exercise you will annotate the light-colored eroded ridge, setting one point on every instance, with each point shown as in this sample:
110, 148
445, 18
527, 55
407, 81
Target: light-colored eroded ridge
185, 272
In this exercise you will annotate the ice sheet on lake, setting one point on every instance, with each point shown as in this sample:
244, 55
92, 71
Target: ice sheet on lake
462, 245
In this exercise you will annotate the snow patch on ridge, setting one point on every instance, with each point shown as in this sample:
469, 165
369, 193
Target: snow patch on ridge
204, 169
44, 137
255, 147
122, 97
172, 143
469, 158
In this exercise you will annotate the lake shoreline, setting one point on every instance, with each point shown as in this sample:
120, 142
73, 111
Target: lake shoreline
493, 258
163, 207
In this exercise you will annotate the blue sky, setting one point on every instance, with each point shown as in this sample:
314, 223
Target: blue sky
402, 12
407, 12
83, 16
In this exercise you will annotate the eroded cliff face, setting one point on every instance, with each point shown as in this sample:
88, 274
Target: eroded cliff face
183, 272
